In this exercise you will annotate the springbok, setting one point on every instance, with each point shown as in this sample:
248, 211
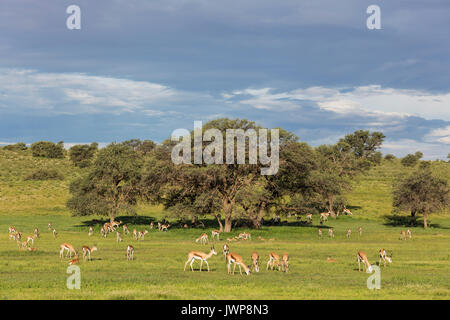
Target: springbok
384, 257
215, 233
36, 233
118, 236
91, 231
198, 255
309, 217
349, 232
67, 246
347, 212
331, 233
274, 259
234, 258
320, 233
285, 262
360, 231
130, 252
165, 227
402, 235
125, 229
75, 260
141, 235
54, 233
87, 252
226, 250
408, 232
203, 239
255, 261
362, 257
324, 216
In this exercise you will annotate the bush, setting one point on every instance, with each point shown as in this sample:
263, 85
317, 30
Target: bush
389, 157
82, 155
47, 149
45, 174
410, 160
20, 146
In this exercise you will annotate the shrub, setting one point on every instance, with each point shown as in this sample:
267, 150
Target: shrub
82, 155
20, 146
45, 174
389, 157
47, 149
411, 160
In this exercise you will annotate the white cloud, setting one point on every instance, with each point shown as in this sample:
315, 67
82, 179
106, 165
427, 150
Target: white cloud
439, 135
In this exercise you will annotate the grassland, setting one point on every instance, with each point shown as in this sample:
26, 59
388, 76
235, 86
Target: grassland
420, 269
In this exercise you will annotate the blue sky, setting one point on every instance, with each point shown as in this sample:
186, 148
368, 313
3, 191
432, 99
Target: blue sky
143, 68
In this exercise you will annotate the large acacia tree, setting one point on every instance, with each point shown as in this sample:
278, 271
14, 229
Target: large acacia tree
422, 193
202, 188
110, 186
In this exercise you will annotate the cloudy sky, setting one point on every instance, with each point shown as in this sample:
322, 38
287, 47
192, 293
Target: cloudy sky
143, 68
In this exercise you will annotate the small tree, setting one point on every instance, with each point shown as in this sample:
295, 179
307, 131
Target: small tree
111, 186
410, 160
47, 149
82, 155
389, 157
20, 146
421, 193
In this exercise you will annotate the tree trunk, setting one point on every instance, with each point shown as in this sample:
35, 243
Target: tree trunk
425, 225
228, 210
220, 223
413, 217
257, 221
331, 209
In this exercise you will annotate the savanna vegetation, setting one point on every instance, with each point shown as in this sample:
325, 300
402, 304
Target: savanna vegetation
136, 182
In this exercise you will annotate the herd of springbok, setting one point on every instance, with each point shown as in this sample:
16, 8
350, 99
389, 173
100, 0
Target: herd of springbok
231, 258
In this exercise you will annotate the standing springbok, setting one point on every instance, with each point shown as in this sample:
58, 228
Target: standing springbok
118, 236
226, 250
67, 246
309, 217
320, 233
135, 234
130, 252
234, 258
408, 232
402, 235
324, 216
384, 257
285, 262
36, 233
91, 231
215, 233
362, 257
274, 259
360, 231
141, 235
125, 229
255, 261
198, 255
331, 233
349, 232
87, 252
54, 233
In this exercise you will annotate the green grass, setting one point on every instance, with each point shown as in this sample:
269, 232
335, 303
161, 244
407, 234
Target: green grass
420, 268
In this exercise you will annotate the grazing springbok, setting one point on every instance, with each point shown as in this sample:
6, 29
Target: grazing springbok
125, 229
226, 250
309, 217
274, 259
31, 239
118, 236
12, 230
91, 231
67, 246
141, 235
347, 212
384, 257
324, 216
203, 239
130, 252
362, 257
285, 262
116, 224
198, 255
215, 233
349, 233
103, 232
165, 227
245, 236
234, 258
87, 252
402, 235
255, 261
331, 233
